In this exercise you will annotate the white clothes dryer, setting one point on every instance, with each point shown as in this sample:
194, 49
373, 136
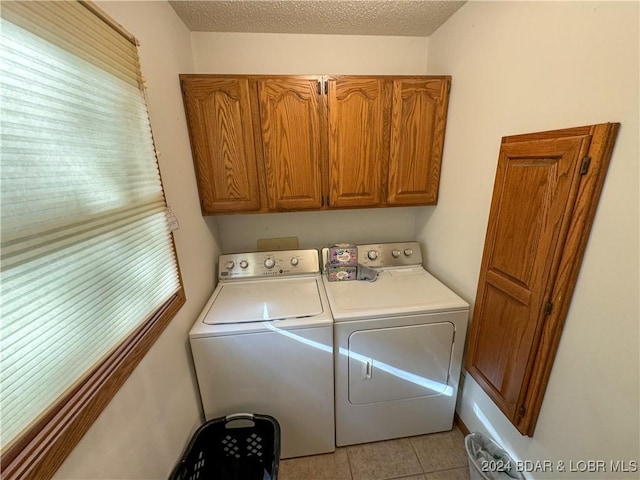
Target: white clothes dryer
264, 344
398, 344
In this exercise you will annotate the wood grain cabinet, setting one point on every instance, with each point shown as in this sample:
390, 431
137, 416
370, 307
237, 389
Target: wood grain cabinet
418, 121
291, 128
221, 129
386, 136
544, 199
358, 143
287, 143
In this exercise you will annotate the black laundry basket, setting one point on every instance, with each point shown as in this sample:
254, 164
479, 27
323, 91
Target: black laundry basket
236, 447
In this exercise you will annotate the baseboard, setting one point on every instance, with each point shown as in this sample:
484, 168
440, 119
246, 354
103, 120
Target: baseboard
458, 421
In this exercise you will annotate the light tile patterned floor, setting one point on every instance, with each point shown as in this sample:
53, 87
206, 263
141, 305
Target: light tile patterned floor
438, 456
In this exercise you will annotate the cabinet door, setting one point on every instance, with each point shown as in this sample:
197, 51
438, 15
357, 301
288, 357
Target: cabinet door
221, 131
546, 190
419, 115
290, 113
358, 142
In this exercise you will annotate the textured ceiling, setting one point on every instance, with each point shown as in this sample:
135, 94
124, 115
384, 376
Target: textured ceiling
341, 17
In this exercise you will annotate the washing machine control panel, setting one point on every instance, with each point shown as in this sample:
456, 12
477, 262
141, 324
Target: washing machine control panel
279, 263
398, 254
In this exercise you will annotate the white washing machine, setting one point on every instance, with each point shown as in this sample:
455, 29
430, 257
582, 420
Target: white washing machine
398, 348
264, 344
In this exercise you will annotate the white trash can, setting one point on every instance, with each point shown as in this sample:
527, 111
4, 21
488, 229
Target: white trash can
487, 460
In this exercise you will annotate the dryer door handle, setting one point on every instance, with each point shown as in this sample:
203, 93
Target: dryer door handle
367, 369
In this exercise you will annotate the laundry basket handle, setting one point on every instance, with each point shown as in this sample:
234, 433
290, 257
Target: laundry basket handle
239, 416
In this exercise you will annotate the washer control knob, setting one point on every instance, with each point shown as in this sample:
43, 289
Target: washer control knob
230, 264
395, 252
244, 264
408, 252
295, 261
269, 262
372, 254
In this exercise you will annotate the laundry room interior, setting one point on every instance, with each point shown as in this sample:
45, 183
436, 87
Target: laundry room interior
514, 68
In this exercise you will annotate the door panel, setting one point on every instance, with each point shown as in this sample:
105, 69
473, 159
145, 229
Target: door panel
496, 355
520, 224
290, 112
419, 112
221, 132
535, 190
358, 146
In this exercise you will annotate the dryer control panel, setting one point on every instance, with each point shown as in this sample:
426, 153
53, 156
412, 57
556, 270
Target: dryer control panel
279, 263
397, 254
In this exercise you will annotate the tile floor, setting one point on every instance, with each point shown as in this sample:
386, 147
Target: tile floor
438, 456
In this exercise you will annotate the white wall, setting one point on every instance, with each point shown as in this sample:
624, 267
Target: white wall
312, 54
522, 67
143, 430
271, 53
239, 233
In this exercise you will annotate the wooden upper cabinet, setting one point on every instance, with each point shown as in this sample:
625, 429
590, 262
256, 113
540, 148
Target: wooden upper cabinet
221, 133
419, 116
544, 199
386, 136
291, 126
284, 143
358, 141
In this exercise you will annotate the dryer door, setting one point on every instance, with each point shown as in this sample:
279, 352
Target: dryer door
401, 362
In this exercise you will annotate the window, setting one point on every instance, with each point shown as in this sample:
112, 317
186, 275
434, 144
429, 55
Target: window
89, 272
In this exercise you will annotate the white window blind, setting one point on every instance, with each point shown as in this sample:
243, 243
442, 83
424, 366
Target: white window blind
86, 253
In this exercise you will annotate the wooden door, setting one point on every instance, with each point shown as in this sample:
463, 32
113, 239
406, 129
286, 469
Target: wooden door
291, 124
544, 199
418, 120
220, 125
358, 141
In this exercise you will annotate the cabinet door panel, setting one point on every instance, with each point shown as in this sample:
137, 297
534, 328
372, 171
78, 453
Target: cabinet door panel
535, 189
290, 112
221, 132
358, 149
419, 115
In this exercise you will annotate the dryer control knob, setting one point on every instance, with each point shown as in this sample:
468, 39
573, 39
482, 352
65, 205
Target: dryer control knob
408, 252
395, 252
294, 261
244, 264
230, 264
269, 262
372, 254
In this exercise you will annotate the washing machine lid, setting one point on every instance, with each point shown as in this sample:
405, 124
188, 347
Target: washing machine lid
264, 300
397, 291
